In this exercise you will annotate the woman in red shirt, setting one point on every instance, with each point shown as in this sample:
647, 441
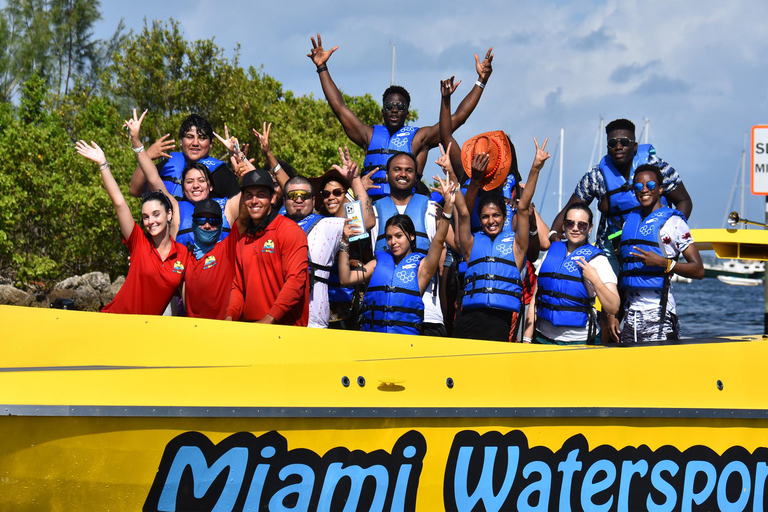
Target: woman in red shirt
157, 261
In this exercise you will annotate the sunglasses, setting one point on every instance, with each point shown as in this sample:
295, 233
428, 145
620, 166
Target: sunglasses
389, 106
650, 184
337, 192
295, 195
213, 221
624, 141
569, 224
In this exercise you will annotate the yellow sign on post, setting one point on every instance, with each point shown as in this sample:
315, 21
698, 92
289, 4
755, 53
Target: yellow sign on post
760, 160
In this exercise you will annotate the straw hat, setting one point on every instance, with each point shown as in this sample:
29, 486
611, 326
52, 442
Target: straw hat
497, 146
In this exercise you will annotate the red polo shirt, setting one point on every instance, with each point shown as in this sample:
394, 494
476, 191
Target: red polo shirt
271, 275
208, 281
151, 280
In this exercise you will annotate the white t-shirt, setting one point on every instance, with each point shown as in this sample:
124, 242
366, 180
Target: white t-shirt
323, 242
433, 312
570, 334
675, 238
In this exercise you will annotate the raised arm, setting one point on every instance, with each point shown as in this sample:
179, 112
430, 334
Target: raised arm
274, 166
430, 136
682, 201
124, 216
357, 131
148, 168
158, 149
351, 171
429, 264
522, 220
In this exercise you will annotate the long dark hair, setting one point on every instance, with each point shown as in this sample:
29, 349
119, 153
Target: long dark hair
405, 223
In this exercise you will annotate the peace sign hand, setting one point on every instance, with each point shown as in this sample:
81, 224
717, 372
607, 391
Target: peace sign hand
447, 189
349, 168
318, 55
263, 138
134, 126
484, 69
231, 143
541, 155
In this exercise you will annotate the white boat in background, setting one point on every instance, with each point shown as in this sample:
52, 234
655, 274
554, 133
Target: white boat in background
680, 279
740, 281
735, 268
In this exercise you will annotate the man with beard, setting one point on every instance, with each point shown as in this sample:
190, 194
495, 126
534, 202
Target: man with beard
382, 141
270, 284
323, 233
401, 174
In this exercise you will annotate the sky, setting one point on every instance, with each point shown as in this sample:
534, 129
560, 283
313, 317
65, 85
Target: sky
695, 71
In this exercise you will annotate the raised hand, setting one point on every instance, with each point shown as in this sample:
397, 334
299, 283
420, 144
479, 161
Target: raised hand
447, 189
445, 161
484, 69
318, 55
368, 180
241, 167
480, 164
231, 143
349, 168
541, 155
263, 137
92, 152
447, 87
134, 126
161, 147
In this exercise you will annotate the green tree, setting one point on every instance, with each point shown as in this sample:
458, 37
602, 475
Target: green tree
159, 70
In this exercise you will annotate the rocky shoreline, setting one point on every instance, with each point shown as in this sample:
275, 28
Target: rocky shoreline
89, 292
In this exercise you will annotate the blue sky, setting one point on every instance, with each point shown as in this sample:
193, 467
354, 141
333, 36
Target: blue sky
695, 70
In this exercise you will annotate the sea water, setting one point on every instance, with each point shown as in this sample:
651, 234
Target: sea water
711, 308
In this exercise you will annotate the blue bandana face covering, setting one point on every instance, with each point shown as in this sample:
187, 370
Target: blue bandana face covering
205, 240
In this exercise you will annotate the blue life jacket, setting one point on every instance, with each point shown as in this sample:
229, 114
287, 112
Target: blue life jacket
307, 224
416, 210
562, 298
392, 302
186, 235
492, 279
174, 167
621, 195
643, 233
336, 292
380, 149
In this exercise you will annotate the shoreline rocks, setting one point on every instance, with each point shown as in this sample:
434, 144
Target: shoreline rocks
90, 292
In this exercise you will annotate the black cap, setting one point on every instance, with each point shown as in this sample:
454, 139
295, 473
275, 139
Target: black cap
207, 208
257, 178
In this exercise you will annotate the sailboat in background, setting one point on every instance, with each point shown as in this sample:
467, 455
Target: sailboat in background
733, 271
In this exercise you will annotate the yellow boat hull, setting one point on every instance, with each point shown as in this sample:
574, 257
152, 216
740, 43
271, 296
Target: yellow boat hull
109, 412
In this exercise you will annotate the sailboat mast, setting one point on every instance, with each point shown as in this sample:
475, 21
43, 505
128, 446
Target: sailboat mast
743, 174
646, 130
560, 190
392, 80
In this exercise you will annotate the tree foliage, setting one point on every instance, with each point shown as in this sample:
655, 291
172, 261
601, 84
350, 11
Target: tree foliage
55, 218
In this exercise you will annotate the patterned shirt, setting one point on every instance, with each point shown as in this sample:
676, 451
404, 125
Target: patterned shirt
592, 186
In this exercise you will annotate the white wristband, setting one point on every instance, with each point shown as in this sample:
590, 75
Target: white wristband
480, 84
672, 265
138, 149
276, 169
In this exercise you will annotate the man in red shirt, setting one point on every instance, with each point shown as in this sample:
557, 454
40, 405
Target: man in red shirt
211, 264
271, 283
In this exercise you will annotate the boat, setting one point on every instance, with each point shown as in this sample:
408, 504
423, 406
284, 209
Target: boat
735, 268
128, 412
740, 281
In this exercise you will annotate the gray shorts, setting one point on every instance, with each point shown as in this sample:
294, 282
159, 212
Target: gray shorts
646, 325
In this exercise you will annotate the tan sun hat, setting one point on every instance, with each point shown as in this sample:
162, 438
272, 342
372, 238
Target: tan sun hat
496, 144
